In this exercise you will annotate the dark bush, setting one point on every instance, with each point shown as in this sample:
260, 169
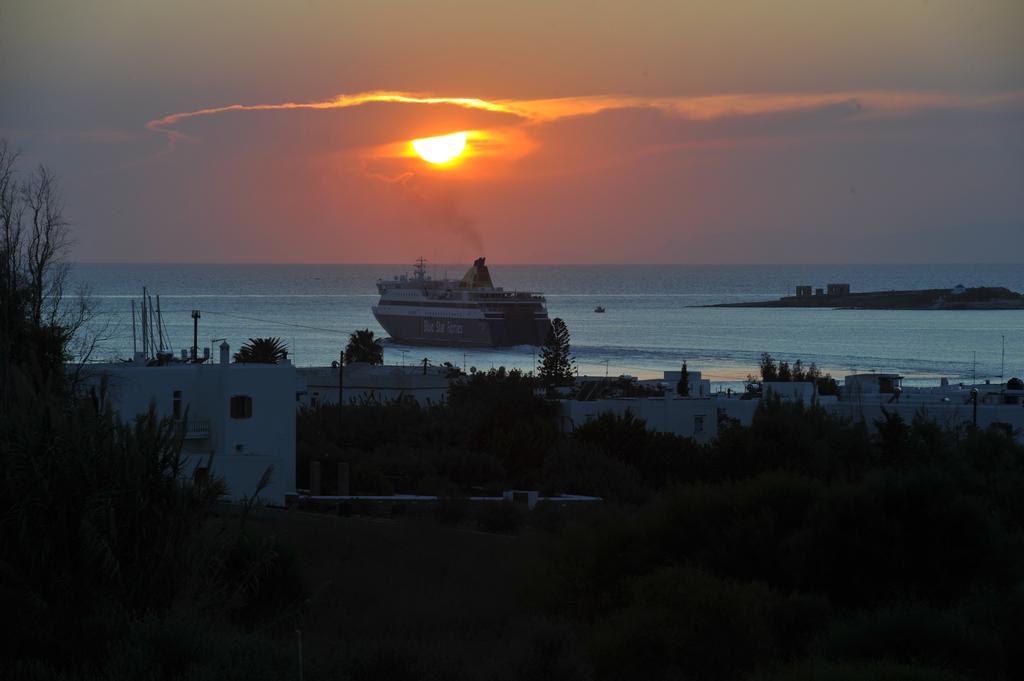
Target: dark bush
547, 516
682, 622
575, 468
902, 536
369, 481
817, 670
452, 510
911, 634
499, 517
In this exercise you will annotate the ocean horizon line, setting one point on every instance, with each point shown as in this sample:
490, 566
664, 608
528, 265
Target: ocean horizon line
549, 264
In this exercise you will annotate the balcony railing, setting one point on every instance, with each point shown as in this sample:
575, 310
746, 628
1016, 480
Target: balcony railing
194, 429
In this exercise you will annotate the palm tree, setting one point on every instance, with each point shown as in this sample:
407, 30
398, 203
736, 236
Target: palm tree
262, 351
363, 347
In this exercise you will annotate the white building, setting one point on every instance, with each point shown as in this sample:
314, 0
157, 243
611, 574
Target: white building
239, 418
688, 417
790, 391
368, 383
868, 396
863, 397
699, 387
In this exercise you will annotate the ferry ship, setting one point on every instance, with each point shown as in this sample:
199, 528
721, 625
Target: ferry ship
420, 310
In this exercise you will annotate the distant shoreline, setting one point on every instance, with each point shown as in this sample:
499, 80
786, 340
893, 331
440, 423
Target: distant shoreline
959, 298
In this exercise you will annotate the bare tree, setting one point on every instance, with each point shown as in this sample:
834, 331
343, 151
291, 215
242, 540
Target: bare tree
37, 323
47, 243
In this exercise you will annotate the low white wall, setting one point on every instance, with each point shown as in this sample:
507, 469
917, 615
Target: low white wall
696, 418
364, 382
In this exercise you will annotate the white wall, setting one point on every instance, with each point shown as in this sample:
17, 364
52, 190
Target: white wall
382, 383
696, 418
242, 449
790, 391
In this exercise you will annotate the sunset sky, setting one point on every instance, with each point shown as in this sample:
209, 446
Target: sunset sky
690, 132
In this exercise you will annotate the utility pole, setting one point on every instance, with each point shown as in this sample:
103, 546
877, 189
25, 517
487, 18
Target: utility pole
195, 335
1002, 363
341, 381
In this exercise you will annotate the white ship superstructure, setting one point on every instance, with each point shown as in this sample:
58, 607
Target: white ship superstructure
420, 310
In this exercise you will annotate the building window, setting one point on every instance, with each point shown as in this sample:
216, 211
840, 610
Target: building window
698, 425
176, 406
241, 407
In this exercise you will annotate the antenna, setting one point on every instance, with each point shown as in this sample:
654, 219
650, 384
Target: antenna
195, 335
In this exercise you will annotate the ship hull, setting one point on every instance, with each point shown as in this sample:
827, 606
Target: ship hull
506, 331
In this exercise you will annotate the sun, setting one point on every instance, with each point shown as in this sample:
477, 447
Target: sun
439, 150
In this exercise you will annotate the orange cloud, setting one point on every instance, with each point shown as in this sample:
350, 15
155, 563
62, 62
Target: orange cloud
538, 111
166, 124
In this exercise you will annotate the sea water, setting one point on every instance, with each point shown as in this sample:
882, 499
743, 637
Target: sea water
654, 318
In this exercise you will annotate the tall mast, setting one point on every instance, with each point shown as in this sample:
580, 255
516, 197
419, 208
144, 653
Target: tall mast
152, 335
159, 323
145, 326
135, 347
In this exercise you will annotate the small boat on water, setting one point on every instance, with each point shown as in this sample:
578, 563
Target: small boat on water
599, 308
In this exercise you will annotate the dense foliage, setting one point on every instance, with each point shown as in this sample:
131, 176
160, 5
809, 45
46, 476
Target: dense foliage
781, 370
802, 546
492, 433
805, 546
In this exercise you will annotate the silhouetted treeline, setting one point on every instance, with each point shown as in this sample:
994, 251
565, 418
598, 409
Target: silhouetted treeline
802, 546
